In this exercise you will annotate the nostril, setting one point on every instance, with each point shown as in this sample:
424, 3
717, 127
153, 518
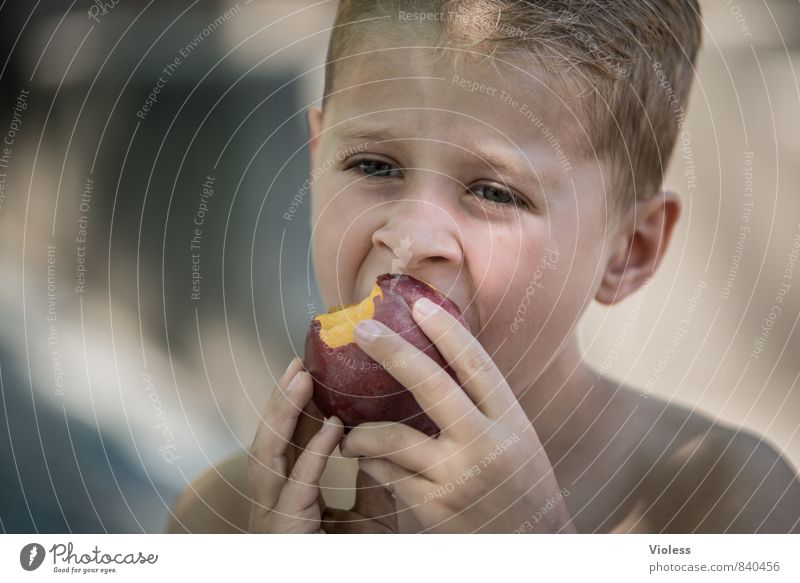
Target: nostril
411, 241
381, 240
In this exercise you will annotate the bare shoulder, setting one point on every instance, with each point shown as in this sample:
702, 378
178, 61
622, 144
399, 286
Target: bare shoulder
710, 477
216, 502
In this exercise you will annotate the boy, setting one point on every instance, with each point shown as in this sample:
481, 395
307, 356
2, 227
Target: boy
511, 154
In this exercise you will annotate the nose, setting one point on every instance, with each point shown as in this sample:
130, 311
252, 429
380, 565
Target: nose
419, 233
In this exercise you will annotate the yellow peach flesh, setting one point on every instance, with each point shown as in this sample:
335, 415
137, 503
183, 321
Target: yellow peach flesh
336, 328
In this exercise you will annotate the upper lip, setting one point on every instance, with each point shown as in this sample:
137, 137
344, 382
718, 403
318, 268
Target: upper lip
443, 289
453, 296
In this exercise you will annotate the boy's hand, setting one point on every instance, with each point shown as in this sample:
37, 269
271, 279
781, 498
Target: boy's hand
487, 471
284, 476
374, 511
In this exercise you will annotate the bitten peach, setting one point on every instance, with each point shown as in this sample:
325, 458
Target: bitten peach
350, 384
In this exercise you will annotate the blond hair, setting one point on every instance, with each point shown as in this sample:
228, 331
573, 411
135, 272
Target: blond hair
634, 61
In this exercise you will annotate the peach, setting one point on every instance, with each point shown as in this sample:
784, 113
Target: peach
350, 384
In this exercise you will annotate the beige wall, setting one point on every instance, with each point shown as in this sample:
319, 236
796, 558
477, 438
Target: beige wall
744, 110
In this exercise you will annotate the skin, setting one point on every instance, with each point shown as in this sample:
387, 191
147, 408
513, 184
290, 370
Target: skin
586, 454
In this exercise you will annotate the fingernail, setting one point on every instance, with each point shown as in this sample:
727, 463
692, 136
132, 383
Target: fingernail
295, 382
330, 423
368, 330
425, 307
292, 364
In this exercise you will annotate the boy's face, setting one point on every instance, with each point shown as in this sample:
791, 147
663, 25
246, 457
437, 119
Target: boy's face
408, 178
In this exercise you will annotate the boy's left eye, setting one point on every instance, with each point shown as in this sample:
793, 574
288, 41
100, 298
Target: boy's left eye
494, 194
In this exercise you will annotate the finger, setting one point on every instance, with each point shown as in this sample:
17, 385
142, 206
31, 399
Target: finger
374, 511
302, 487
375, 502
295, 366
285, 411
268, 464
433, 388
397, 442
409, 488
476, 371
308, 424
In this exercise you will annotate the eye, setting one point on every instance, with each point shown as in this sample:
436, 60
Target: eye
376, 168
496, 195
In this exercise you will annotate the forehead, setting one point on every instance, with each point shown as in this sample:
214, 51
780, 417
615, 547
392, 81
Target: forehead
450, 95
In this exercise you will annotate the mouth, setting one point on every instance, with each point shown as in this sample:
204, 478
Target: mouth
457, 301
440, 287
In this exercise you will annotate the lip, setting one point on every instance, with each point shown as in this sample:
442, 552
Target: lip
440, 287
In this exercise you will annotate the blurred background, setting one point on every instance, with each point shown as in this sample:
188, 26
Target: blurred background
152, 288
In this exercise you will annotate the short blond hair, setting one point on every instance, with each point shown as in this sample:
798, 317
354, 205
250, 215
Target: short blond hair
634, 60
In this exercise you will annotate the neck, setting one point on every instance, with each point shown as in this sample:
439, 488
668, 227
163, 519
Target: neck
562, 402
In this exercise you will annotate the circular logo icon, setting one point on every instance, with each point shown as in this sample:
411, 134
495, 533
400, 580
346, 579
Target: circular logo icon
31, 556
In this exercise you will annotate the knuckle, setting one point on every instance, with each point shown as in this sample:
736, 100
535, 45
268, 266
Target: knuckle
265, 453
300, 468
275, 399
258, 451
392, 342
439, 385
461, 496
260, 519
478, 361
386, 438
353, 442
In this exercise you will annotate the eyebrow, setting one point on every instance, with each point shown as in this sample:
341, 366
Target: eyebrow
524, 170
354, 132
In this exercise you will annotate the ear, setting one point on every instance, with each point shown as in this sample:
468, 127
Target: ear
640, 242
314, 117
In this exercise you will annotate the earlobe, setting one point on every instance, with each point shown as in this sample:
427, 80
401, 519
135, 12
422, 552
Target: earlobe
640, 246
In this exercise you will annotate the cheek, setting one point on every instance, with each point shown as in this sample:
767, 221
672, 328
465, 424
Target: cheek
530, 311
341, 236
524, 297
